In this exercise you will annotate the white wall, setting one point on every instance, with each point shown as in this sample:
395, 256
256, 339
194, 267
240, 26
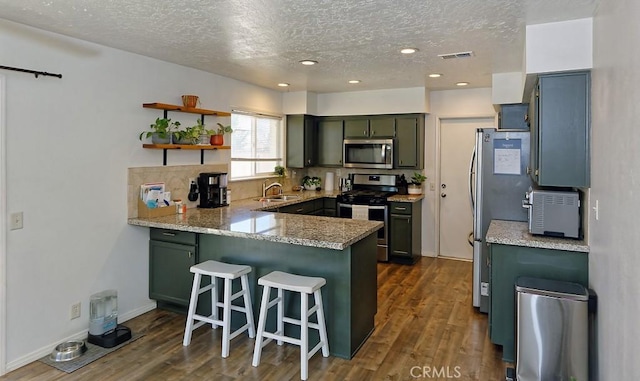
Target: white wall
391, 101
614, 260
559, 46
445, 104
69, 144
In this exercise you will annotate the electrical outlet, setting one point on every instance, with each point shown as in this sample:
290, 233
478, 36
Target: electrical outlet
16, 221
75, 310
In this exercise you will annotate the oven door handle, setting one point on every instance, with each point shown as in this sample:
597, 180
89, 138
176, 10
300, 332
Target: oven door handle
372, 207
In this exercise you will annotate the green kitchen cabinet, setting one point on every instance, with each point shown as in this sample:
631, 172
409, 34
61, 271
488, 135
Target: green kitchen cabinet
507, 263
305, 207
171, 254
329, 207
330, 138
560, 129
356, 128
301, 141
409, 147
383, 126
370, 127
405, 225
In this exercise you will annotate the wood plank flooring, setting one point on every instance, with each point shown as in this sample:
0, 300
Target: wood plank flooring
425, 329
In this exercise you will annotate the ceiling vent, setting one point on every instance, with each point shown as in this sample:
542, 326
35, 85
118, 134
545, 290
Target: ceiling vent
456, 55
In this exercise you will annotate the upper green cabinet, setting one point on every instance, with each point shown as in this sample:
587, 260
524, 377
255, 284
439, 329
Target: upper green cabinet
560, 123
318, 141
369, 127
330, 142
409, 144
356, 128
301, 141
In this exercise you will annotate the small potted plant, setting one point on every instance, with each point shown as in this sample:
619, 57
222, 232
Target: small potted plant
416, 183
311, 183
281, 172
217, 137
190, 135
162, 131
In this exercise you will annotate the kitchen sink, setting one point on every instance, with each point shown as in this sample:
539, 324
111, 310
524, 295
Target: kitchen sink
279, 198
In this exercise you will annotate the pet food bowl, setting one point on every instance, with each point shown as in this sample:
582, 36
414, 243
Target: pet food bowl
68, 350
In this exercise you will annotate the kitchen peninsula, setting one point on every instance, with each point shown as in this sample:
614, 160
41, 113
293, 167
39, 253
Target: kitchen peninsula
343, 251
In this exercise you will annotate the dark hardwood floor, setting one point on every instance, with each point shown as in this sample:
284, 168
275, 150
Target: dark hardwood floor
425, 329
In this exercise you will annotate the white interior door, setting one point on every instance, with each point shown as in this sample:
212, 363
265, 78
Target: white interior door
457, 140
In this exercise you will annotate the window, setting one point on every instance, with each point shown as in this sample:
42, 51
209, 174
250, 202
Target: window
256, 144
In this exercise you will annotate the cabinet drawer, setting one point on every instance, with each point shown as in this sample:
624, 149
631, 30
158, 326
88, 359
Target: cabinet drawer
306, 207
174, 236
400, 208
329, 203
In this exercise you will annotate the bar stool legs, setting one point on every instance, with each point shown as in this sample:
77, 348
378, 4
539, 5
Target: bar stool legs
228, 272
305, 286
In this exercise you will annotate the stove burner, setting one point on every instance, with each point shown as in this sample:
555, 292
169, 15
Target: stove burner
365, 197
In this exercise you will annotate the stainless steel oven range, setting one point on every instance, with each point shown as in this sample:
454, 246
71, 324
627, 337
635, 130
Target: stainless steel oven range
368, 201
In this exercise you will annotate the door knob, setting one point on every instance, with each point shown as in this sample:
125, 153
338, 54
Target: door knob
443, 195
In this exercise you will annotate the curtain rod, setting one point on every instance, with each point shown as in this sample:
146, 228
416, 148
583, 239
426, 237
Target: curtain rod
34, 72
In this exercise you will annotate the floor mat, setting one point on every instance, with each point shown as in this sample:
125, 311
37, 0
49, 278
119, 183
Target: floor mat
93, 353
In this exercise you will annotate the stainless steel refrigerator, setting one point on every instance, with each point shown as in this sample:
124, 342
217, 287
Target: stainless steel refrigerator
498, 181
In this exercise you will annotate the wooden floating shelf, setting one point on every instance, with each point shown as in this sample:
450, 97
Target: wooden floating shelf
192, 110
185, 146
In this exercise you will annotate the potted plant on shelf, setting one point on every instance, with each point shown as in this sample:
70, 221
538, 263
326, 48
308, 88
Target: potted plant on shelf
416, 183
311, 183
190, 135
217, 137
162, 131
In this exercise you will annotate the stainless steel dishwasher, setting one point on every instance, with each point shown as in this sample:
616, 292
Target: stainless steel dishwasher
552, 331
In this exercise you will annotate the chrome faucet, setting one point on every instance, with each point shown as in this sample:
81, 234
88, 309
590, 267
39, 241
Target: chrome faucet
266, 187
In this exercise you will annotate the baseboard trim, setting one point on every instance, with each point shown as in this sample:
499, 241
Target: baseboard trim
429, 254
456, 259
43, 351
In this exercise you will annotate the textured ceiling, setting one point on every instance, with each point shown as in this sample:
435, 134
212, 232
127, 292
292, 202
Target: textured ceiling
262, 41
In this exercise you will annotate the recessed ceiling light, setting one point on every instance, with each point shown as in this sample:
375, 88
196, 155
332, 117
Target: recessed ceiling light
435, 75
354, 81
462, 83
308, 62
408, 50
283, 84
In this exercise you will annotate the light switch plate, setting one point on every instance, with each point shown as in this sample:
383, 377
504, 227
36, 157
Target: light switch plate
16, 221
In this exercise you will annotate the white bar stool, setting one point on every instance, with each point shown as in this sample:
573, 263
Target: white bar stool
228, 272
305, 286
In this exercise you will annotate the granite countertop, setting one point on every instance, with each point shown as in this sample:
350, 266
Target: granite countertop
406, 197
517, 234
252, 219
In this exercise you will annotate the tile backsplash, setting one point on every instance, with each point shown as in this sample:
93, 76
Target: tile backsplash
176, 179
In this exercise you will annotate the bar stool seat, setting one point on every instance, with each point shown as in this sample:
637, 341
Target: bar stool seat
305, 286
228, 272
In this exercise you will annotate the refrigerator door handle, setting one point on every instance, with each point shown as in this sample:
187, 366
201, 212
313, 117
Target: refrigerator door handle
471, 179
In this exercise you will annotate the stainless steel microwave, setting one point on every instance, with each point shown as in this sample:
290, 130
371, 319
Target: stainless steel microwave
368, 153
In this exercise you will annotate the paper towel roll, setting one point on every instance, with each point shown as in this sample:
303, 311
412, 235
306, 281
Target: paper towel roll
328, 182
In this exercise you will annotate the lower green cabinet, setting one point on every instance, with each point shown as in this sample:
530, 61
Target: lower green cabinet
507, 263
169, 276
171, 255
317, 207
405, 223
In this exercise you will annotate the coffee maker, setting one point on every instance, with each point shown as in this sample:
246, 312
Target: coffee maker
213, 189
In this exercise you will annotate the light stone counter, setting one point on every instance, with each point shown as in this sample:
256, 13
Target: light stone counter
252, 219
517, 234
406, 197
